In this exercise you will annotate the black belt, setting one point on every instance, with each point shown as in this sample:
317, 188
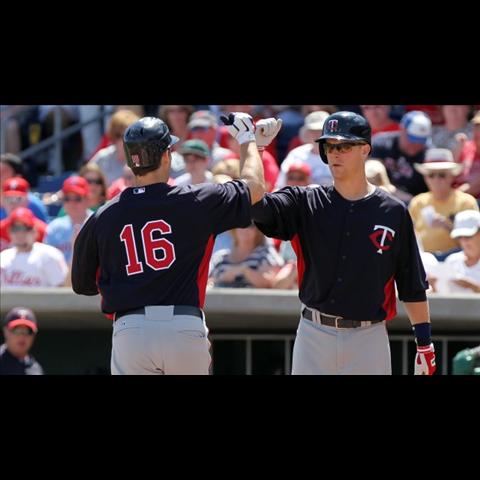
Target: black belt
177, 310
335, 321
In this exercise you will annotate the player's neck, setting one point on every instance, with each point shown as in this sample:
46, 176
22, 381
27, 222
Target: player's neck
157, 176
354, 190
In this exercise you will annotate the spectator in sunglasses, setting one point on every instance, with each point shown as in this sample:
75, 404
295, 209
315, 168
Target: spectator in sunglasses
15, 195
29, 263
62, 231
95, 178
433, 212
20, 330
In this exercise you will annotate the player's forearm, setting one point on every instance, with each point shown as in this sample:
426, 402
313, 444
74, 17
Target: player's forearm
251, 170
418, 312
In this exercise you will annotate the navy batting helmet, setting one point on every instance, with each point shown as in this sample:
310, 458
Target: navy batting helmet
345, 126
145, 141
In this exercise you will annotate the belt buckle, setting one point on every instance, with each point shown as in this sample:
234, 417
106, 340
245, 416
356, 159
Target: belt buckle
335, 319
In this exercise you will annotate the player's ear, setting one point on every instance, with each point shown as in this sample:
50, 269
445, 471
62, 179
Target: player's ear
366, 150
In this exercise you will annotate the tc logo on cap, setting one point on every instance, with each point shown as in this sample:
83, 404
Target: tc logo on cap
333, 125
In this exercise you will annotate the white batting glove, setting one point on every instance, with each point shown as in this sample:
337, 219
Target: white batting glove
240, 126
425, 360
266, 131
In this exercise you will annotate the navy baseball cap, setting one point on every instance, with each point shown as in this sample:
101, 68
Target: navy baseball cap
20, 316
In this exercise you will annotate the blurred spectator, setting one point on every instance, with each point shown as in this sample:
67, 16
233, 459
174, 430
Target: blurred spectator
196, 157
377, 175
11, 166
287, 277
378, 116
29, 263
309, 152
433, 212
306, 110
250, 263
176, 117
106, 139
399, 151
112, 158
62, 231
469, 180
125, 181
19, 330
97, 195
466, 264
203, 126
299, 174
18, 212
456, 122
229, 167
467, 362
293, 121
434, 112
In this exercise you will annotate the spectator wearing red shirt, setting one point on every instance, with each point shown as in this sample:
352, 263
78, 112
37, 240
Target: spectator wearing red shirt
378, 116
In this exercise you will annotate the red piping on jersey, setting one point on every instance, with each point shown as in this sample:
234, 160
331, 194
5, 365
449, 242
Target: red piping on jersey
297, 247
202, 276
97, 277
390, 302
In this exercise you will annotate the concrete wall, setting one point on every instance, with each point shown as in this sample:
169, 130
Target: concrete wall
228, 310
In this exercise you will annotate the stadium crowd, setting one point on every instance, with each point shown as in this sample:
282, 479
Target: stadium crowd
428, 156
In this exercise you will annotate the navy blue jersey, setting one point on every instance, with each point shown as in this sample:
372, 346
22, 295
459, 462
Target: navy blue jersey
10, 365
350, 254
152, 245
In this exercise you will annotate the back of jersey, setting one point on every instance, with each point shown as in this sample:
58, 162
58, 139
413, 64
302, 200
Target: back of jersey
152, 245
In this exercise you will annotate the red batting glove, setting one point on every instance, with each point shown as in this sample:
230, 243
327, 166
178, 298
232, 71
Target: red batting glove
425, 360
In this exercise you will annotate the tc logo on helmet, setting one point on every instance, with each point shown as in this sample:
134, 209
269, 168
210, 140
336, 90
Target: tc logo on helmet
333, 125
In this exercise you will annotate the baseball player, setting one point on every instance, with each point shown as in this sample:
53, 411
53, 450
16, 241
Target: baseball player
147, 251
354, 243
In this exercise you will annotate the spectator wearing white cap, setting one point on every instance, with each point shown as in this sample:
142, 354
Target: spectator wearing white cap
433, 212
399, 151
466, 264
308, 153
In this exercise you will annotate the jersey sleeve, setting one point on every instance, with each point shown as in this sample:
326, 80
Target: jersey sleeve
227, 205
85, 261
410, 276
277, 214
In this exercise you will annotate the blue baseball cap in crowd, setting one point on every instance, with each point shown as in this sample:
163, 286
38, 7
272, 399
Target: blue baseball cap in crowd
418, 126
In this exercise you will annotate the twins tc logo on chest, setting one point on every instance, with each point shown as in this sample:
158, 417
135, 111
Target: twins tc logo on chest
381, 236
